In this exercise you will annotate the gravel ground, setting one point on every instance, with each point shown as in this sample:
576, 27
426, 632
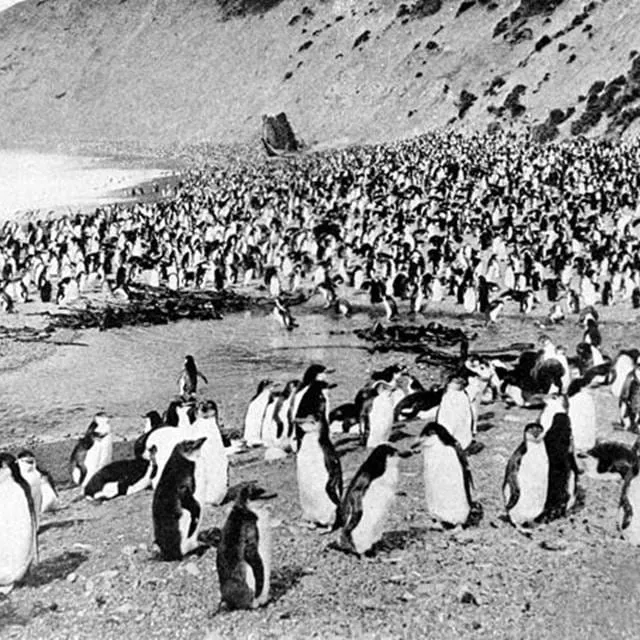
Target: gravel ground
99, 575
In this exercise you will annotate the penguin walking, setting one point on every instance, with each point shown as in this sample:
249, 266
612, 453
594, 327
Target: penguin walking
121, 478
254, 416
447, 478
188, 380
93, 451
243, 559
629, 506
177, 502
318, 471
368, 500
563, 493
19, 548
526, 478
283, 315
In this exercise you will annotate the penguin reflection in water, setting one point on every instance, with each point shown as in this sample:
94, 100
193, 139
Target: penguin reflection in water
177, 502
243, 559
19, 548
368, 500
447, 479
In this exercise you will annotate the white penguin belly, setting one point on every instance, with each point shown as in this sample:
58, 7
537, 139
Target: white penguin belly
187, 543
376, 505
92, 462
445, 492
622, 368
253, 419
18, 548
380, 421
456, 416
269, 427
312, 478
582, 414
533, 480
632, 532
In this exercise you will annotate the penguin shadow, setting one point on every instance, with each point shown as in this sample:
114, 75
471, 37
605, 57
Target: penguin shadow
400, 539
487, 415
55, 568
12, 615
59, 524
485, 426
284, 579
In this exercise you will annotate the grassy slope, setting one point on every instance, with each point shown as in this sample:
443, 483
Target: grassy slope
160, 71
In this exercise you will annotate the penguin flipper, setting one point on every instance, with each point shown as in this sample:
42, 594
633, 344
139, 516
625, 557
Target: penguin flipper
511, 478
625, 505
334, 469
190, 504
350, 510
252, 556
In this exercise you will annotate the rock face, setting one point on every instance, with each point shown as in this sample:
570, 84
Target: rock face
160, 72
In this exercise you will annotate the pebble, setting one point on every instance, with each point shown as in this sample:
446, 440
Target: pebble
192, 569
108, 575
72, 577
129, 550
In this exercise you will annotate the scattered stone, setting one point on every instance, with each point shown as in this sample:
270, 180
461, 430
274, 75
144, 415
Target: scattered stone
554, 545
466, 597
72, 577
129, 550
123, 609
407, 597
108, 575
192, 569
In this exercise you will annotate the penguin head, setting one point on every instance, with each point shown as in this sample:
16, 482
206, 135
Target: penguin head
308, 424
8, 467
264, 384
290, 388
100, 426
27, 461
314, 372
208, 409
434, 433
534, 432
152, 420
190, 449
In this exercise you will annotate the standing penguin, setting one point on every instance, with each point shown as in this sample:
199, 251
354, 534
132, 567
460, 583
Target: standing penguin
447, 478
526, 478
153, 421
368, 500
629, 509
243, 559
255, 413
455, 412
177, 502
93, 451
19, 548
582, 415
188, 380
629, 401
318, 471
48, 491
29, 471
563, 490
213, 467
378, 419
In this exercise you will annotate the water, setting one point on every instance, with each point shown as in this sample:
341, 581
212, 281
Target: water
130, 371
30, 181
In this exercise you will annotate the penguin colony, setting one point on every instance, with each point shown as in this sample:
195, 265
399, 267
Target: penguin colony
400, 241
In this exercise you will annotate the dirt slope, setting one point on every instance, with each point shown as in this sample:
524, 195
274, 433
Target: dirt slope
344, 70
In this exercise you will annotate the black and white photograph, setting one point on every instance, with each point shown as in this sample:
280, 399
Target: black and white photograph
319, 319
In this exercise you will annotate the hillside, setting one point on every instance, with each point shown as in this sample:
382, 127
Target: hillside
162, 71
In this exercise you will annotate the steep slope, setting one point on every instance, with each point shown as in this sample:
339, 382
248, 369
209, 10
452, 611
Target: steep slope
164, 71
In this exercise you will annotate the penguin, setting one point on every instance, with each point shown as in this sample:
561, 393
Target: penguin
447, 478
318, 471
556, 314
284, 316
390, 307
582, 415
29, 471
188, 380
343, 308
629, 506
19, 548
177, 504
212, 470
629, 402
573, 302
345, 416
243, 559
613, 457
379, 414
121, 478
48, 491
93, 451
553, 404
455, 412
493, 310
153, 421
526, 478
592, 333
563, 493
622, 367
314, 373
254, 416
368, 500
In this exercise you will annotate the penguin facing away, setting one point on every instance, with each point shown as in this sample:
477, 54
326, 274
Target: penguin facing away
526, 478
368, 500
19, 548
176, 508
318, 472
447, 478
243, 559
93, 451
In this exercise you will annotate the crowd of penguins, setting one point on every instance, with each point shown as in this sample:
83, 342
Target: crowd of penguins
479, 220
183, 457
